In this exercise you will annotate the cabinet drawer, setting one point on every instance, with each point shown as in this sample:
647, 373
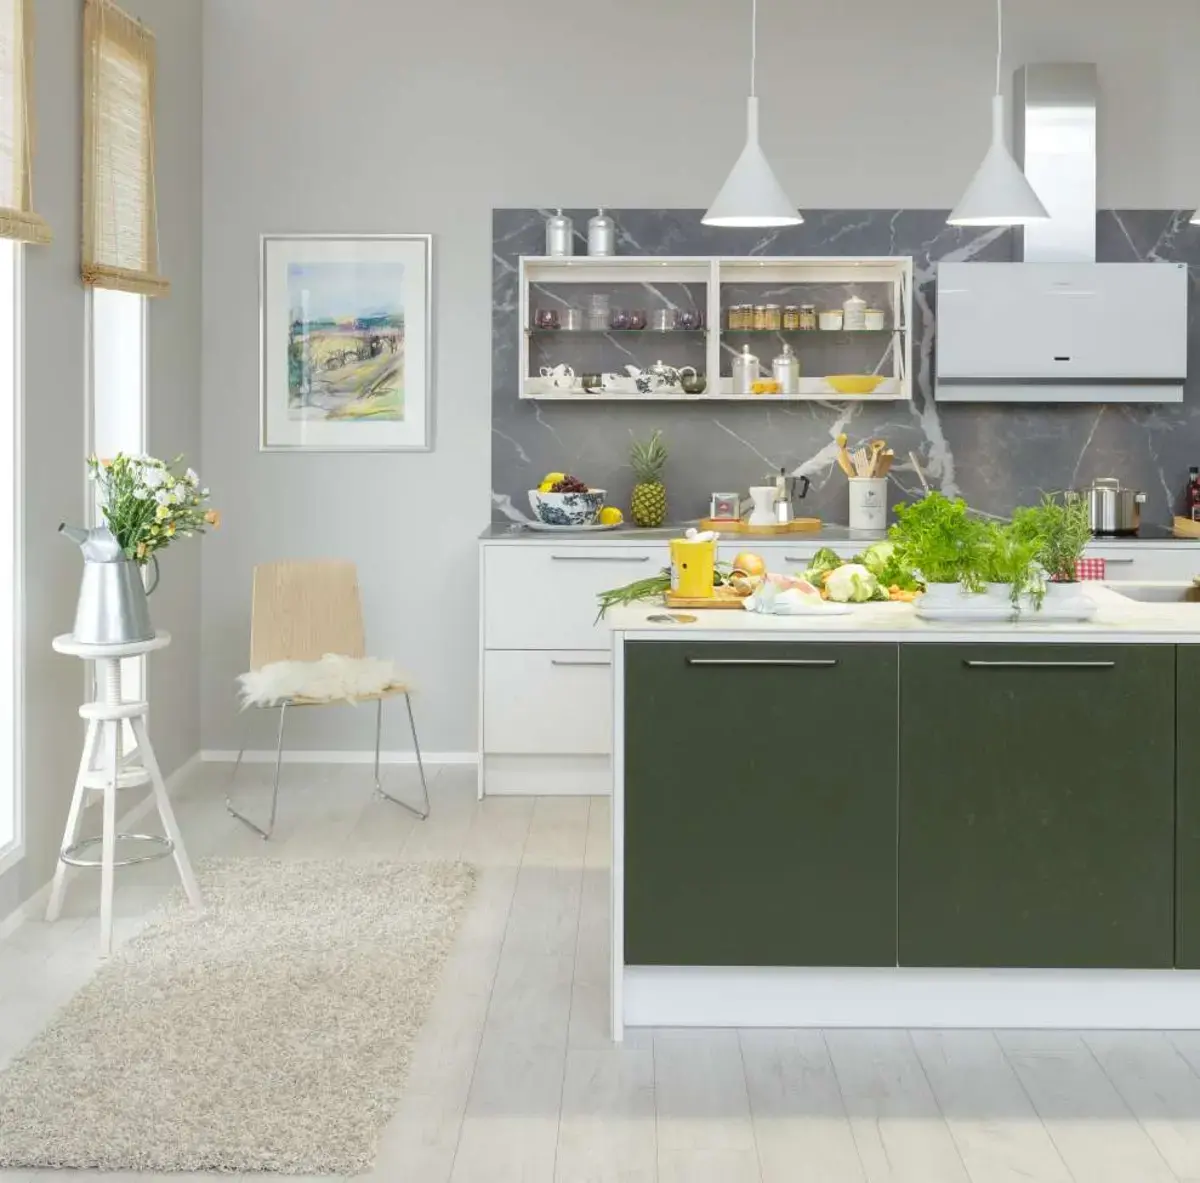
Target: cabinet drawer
547, 702
544, 597
1140, 565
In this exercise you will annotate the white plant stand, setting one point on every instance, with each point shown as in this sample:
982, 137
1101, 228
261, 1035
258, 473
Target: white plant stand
103, 769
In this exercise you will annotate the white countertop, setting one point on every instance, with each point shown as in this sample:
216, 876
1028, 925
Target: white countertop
1118, 620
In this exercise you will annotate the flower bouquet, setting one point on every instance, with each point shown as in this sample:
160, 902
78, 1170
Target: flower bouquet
147, 503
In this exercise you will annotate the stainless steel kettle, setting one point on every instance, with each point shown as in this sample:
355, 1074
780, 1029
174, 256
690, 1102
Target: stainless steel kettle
112, 608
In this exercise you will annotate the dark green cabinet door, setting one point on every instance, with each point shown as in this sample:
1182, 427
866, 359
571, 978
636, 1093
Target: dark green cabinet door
1037, 805
760, 804
1187, 804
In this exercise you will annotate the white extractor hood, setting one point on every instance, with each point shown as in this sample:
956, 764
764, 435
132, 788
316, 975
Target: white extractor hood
1061, 327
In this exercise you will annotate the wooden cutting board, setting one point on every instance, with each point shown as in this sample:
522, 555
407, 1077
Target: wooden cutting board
796, 526
1186, 528
721, 598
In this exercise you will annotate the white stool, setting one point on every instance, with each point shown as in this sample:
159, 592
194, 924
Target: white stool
103, 769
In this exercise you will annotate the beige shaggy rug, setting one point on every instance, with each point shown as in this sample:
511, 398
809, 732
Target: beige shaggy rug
272, 1033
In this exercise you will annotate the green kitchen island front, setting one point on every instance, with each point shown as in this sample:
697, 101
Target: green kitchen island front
868, 820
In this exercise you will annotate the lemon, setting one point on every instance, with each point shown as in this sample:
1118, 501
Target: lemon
546, 487
610, 515
552, 478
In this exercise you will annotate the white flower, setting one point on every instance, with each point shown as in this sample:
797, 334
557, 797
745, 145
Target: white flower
203, 492
141, 494
153, 478
91, 474
162, 497
191, 477
180, 492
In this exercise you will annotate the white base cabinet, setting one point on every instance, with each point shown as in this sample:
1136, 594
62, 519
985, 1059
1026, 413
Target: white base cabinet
545, 702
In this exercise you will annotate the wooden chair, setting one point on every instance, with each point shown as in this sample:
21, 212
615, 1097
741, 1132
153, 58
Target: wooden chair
300, 611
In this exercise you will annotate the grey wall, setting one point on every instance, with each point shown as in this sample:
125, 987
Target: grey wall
55, 373
873, 105
995, 456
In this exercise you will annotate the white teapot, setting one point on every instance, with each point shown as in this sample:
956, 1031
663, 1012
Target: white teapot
560, 377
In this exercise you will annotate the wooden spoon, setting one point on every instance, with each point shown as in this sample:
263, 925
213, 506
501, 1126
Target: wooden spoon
843, 457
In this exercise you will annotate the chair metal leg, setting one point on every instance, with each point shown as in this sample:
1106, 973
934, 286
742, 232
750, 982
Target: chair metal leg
416, 748
270, 829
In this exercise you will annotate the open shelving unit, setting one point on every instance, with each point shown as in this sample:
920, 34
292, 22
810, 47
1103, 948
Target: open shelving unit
709, 285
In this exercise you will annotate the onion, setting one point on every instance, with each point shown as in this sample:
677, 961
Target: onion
749, 564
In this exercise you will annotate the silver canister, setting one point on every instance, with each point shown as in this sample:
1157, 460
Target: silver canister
560, 234
785, 369
745, 371
602, 235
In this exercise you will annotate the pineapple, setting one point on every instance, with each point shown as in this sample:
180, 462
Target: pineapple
648, 505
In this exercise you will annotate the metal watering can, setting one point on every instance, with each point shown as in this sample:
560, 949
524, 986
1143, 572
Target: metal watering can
112, 608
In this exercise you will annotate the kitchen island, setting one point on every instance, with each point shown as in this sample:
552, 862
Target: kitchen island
869, 820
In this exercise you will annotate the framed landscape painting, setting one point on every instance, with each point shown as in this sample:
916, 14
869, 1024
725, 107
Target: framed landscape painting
345, 340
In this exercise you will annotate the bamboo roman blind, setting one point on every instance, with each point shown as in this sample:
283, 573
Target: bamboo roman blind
17, 219
120, 221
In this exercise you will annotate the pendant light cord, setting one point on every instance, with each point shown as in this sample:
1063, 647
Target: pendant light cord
999, 39
753, 45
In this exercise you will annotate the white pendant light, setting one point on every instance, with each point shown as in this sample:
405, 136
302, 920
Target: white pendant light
751, 196
999, 193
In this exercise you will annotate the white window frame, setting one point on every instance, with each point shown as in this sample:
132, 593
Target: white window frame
12, 852
133, 668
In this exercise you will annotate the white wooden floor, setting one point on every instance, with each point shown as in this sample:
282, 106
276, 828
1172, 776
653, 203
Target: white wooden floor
514, 1078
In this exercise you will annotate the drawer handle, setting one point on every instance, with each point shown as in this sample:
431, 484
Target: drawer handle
1040, 665
797, 558
810, 663
1114, 561
600, 558
601, 661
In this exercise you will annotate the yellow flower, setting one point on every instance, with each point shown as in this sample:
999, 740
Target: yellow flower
213, 518
141, 550
161, 512
171, 530
153, 530
106, 463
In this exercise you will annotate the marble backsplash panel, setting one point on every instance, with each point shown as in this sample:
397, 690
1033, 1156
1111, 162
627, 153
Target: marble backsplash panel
995, 455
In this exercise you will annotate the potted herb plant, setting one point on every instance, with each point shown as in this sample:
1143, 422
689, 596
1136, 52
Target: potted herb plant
939, 540
1009, 566
1059, 530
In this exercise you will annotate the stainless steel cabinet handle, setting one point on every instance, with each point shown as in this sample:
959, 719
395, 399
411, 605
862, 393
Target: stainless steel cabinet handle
797, 558
603, 661
600, 558
1041, 665
812, 663
1114, 561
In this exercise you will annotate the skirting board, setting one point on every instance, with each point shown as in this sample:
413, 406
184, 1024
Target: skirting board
1096, 999
35, 905
367, 756
546, 776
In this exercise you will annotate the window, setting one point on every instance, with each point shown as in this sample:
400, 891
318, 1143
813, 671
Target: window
10, 564
118, 410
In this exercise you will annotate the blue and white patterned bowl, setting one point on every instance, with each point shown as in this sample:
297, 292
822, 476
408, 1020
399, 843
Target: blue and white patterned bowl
567, 509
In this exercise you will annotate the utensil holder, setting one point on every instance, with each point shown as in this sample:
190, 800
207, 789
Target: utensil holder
868, 502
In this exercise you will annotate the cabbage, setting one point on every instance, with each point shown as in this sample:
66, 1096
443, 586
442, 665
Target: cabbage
851, 584
877, 556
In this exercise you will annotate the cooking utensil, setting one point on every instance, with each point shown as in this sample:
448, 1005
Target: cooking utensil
843, 457
885, 463
919, 471
877, 447
860, 462
1113, 509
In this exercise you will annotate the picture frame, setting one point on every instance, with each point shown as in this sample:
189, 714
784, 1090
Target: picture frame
345, 343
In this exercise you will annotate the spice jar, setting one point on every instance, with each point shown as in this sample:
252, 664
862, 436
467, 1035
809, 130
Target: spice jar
760, 317
808, 317
791, 317
831, 320
772, 317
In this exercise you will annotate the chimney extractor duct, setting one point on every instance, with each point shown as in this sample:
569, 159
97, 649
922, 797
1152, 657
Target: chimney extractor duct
1054, 140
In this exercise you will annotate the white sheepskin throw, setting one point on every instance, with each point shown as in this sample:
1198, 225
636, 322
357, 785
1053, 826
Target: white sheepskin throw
331, 679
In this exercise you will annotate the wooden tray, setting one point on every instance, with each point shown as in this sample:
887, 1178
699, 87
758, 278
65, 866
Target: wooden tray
719, 599
1186, 528
796, 526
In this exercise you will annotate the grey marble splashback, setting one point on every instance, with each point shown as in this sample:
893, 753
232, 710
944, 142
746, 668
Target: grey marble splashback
996, 456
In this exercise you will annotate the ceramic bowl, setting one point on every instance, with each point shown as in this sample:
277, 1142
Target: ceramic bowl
567, 509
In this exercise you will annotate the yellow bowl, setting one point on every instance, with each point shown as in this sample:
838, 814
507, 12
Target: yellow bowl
854, 383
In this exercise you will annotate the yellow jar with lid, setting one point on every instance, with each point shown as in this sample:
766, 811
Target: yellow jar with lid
772, 318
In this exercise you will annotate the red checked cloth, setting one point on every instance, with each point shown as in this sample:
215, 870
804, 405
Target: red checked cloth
1089, 569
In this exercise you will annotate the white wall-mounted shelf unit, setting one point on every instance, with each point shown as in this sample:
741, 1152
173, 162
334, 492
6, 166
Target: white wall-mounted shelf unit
712, 284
